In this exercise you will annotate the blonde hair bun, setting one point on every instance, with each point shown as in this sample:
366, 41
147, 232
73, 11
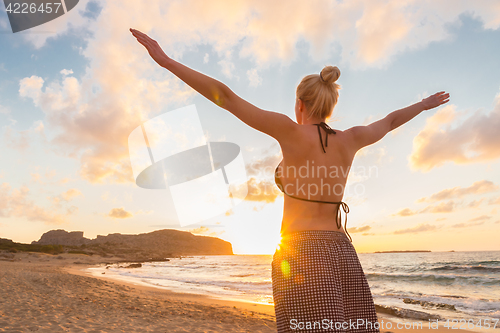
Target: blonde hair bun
320, 92
330, 74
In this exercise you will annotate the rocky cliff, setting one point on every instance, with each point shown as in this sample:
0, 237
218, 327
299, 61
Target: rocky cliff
62, 237
160, 243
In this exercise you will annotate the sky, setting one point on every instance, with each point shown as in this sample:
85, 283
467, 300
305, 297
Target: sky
73, 89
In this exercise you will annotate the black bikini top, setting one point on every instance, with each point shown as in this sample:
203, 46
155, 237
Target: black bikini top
338, 217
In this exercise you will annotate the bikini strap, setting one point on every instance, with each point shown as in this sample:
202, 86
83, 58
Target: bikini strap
328, 130
339, 217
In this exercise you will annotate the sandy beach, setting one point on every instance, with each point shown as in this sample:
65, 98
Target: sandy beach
51, 293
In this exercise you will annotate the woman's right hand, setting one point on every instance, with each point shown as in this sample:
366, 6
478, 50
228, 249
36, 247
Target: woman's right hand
152, 46
435, 100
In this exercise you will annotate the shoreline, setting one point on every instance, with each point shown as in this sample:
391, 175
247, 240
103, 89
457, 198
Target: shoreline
52, 293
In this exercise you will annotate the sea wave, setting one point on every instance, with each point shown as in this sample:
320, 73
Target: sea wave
435, 278
466, 268
427, 304
405, 313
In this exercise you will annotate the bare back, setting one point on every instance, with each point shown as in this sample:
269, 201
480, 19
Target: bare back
308, 172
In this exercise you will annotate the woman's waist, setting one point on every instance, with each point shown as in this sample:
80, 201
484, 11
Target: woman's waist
300, 223
302, 209
326, 224
311, 239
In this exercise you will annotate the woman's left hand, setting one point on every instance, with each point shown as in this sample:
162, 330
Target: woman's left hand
152, 46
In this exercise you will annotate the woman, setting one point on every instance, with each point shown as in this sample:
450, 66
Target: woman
318, 282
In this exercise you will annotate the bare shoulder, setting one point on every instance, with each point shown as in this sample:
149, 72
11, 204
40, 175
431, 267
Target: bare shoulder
348, 138
365, 135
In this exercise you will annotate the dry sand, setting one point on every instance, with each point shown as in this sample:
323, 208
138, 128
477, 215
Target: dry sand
50, 293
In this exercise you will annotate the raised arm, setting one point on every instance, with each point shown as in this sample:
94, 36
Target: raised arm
362, 136
277, 125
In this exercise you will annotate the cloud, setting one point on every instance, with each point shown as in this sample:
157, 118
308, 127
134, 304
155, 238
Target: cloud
480, 218
15, 203
354, 230
405, 212
66, 196
200, 230
49, 174
63, 181
35, 177
494, 201
66, 72
475, 203
373, 156
17, 140
423, 227
227, 68
264, 166
380, 29
260, 190
94, 126
254, 78
119, 213
442, 207
205, 232
144, 212
206, 58
31, 87
470, 140
21, 140
467, 225
479, 187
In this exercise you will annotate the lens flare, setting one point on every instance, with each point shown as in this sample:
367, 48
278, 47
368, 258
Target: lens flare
285, 268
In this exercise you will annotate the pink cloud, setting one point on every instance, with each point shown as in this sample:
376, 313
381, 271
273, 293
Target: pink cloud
467, 224
15, 203
423, 227
405, 212
359, 229
479, 187
471, 140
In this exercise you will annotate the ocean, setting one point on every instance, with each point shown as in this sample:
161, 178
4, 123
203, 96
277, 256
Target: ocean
451, 285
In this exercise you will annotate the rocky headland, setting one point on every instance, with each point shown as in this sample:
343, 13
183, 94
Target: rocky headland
153, 246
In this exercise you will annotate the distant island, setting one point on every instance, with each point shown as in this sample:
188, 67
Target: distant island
152, 246
406, 251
